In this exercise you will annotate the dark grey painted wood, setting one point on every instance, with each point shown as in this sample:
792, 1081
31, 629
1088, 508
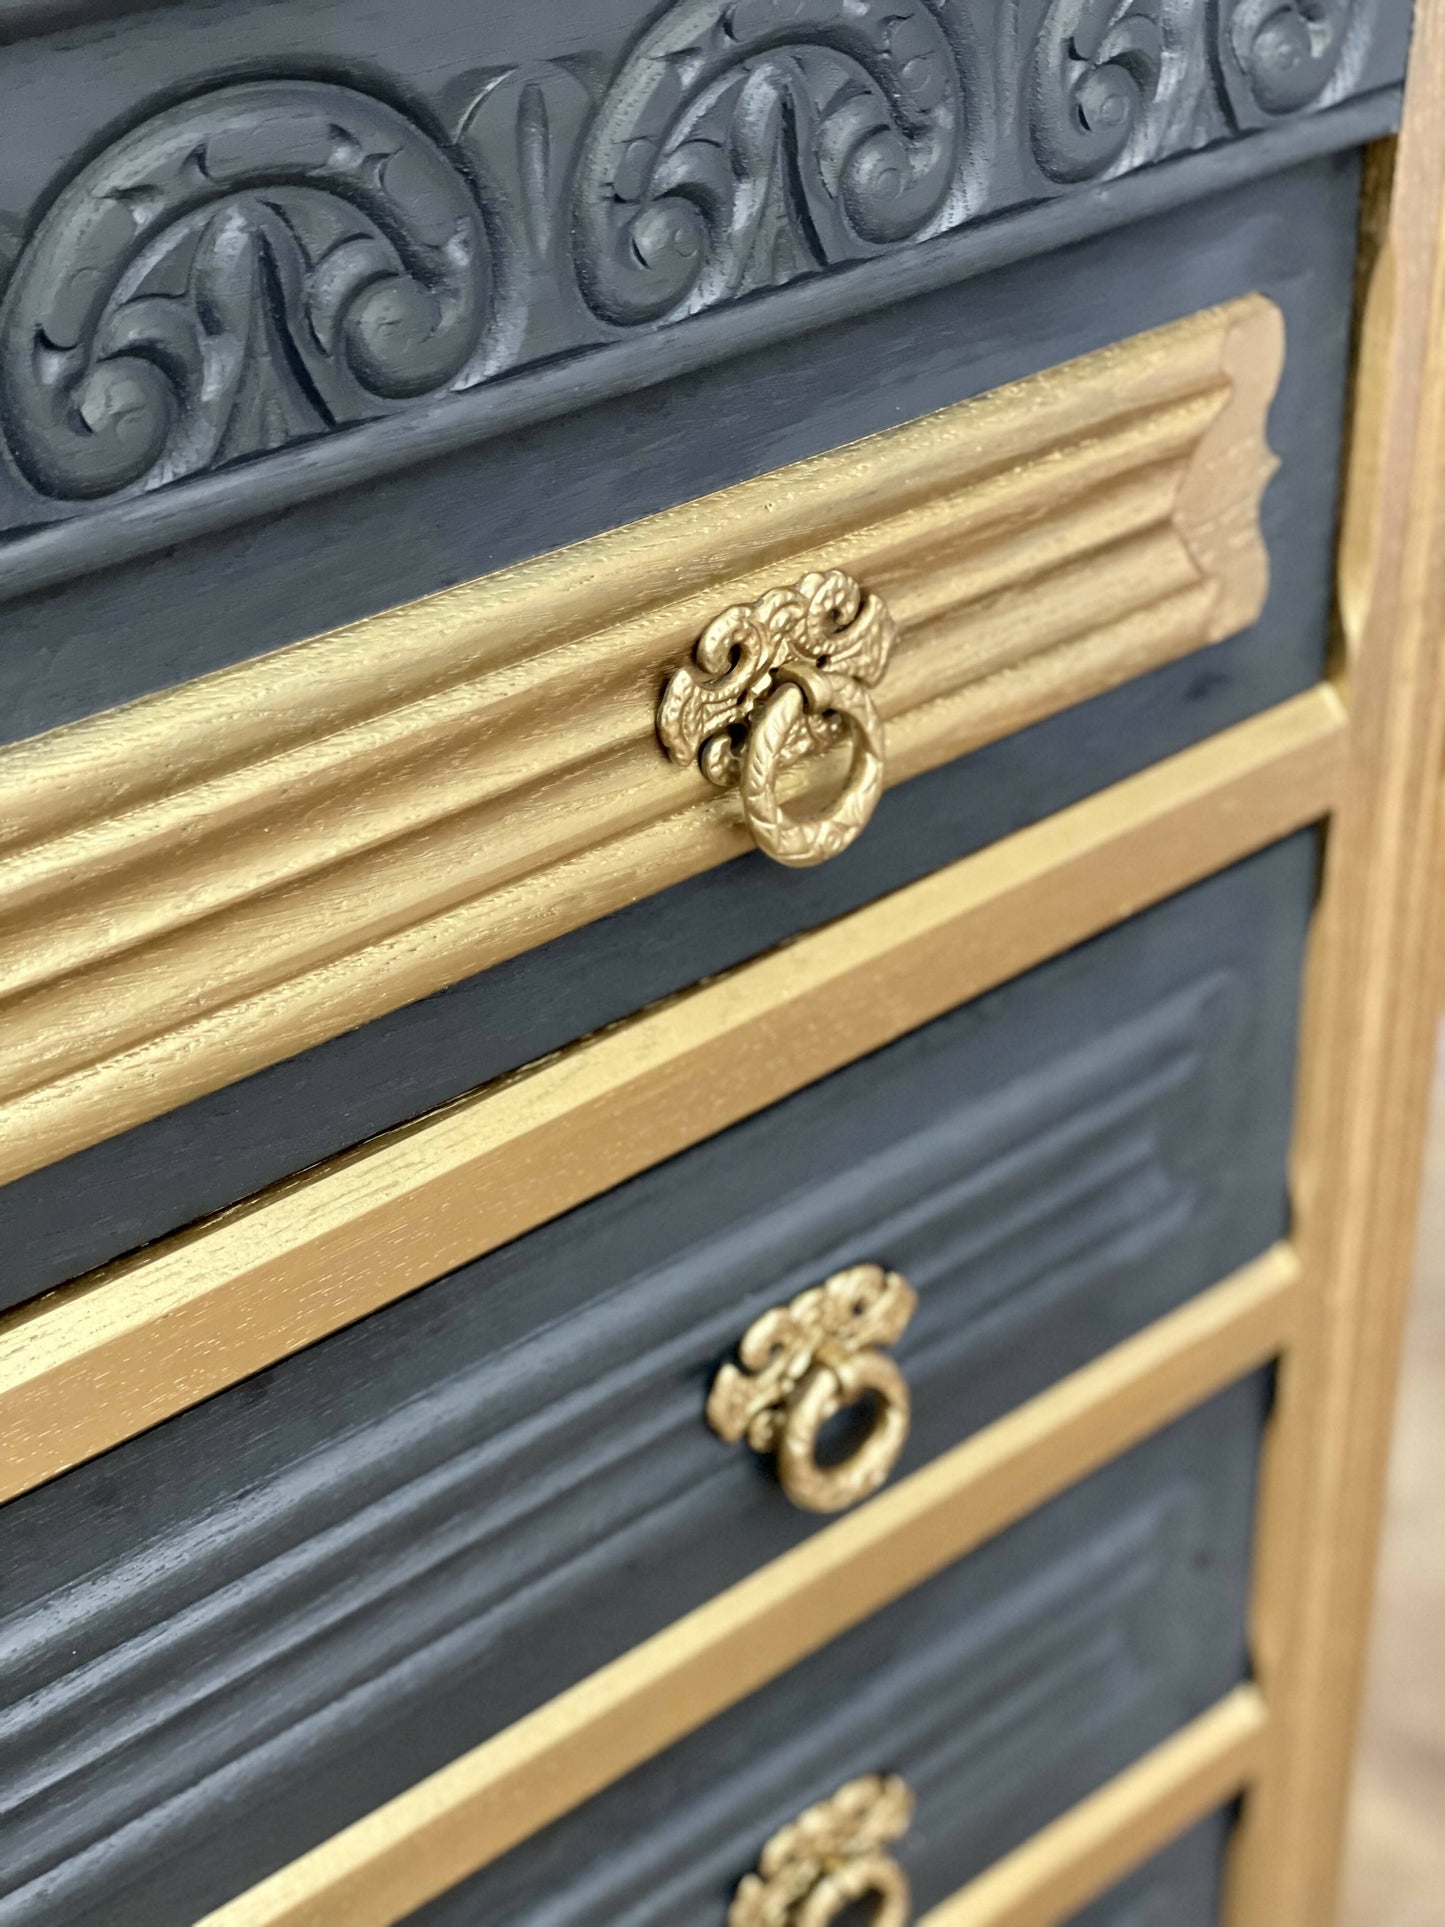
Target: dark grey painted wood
334, 213
1293, 238
323, 560
1179, 1888
1004, 1691
240, 1631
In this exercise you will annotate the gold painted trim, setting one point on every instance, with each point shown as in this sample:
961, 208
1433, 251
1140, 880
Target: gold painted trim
1047, 1880
1368, 1041
229, 872
99, 1360
468, 1814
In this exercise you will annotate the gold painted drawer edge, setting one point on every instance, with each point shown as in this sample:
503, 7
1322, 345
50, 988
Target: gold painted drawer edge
96, 1362
219, 876
468, 1814
1046, 1881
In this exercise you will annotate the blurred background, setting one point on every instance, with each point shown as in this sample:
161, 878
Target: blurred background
1395, 1853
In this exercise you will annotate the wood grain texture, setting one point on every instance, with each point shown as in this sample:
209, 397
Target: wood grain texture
473, 1811
232, 871
1291, 238
1370, 1015
103, 1359
1071, 1862
200, 1685
1117, 1547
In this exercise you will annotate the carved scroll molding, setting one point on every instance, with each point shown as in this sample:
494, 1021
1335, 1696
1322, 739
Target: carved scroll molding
224, 874
1102, 74
271, 261
244, 270
747, 141
1279, 56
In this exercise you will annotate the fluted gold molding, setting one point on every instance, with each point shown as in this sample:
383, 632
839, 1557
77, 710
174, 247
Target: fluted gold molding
403, 1854
212, 879
99, 1360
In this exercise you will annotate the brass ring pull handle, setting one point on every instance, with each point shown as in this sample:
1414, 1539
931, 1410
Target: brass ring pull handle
877, 1877
831, 1857
773, 681
801, 1364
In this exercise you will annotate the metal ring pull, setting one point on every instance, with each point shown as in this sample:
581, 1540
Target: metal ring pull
774, 681
878, 1877
831, 1857
801, 1364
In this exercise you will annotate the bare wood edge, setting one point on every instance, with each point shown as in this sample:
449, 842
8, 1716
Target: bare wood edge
1368, 1035
1081, 1855
105, 1358
471, 1812
191, 1001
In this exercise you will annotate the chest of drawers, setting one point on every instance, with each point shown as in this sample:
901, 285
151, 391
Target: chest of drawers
718, 813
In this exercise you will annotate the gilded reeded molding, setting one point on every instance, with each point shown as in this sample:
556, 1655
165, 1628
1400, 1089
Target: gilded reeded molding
219, 876
256, 263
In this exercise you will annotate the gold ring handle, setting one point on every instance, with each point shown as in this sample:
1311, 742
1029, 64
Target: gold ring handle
877, 1877
770, 683
779, 735
832, 1856
825, 1392
801, 1364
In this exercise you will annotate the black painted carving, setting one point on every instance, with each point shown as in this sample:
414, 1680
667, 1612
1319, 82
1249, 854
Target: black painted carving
260, 264
747, 141
1097, 70
1288, 51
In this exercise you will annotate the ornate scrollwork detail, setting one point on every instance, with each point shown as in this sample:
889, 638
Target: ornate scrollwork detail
801, 1363
832, 1856
747, 141
1287, 50
1098, 67
782, 677
243, 270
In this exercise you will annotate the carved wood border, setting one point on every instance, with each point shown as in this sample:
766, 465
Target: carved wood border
263, 267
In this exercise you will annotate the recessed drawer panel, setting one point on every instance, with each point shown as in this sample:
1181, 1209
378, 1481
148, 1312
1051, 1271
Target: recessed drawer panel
1178, 1888
1002, 1692
248, 1626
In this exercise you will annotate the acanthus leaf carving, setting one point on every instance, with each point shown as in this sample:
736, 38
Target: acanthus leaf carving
272, 259
745, 142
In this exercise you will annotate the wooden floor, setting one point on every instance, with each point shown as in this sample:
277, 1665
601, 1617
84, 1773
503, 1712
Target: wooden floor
1395, 1867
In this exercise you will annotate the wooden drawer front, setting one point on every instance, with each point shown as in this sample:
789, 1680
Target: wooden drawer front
229, 872
287, 1604
214, 965
1180, 1887
1003, 1691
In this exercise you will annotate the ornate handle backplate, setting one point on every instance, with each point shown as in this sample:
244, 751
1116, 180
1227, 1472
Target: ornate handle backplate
831, 1857
802, 1363
772, 681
